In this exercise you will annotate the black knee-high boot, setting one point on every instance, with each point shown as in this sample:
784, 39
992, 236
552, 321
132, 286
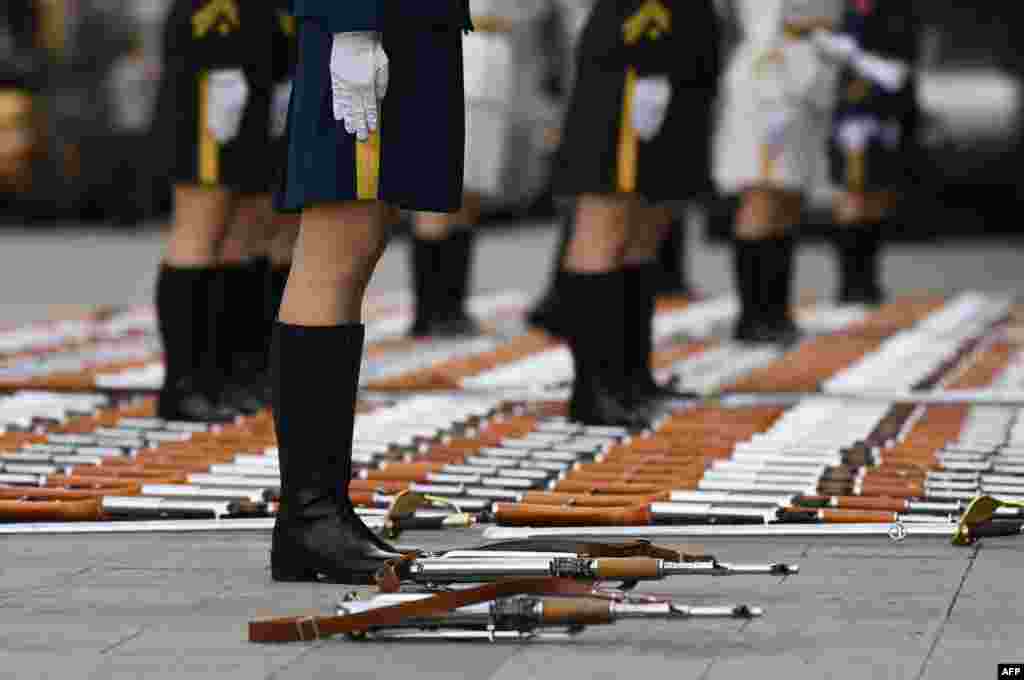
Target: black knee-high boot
673, 278
547, 313
241, 334
747, 258
318, 535
183, 303
597, 339
764, 273
425, 256
780, 279
858, 247
456, 264
642, 284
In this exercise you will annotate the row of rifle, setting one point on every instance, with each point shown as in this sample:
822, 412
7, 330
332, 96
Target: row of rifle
518, 591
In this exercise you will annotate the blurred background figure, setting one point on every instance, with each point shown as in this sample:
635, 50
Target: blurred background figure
671, 276
508, 63
214, 127
642, 69
871, 146
62, 54
79, 82
777, 100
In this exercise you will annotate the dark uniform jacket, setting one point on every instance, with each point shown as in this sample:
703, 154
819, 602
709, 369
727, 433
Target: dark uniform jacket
679, 39
202, 36
416, 162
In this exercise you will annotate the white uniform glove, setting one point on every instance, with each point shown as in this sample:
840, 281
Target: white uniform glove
854, 135
776, 122
279, 108
359, 80
650, 106
228, 95
890, 74
837, 47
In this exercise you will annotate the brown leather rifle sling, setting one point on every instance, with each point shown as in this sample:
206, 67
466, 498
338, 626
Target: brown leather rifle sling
311, 628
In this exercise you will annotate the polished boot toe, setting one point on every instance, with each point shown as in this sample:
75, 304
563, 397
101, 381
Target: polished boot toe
328, 549
781, 332
193, 406
461, 325
245, 399
599, 407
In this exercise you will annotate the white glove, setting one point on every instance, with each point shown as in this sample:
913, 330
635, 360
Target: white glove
650, 106
359, 80
776, 123
279, 108
838, 47
891, 74
854, 135
227, 97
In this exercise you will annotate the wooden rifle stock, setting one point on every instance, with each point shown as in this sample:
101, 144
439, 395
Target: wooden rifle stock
89, 510
590, 500
576, 611
518, 514
49, 494
611, 488
877, 503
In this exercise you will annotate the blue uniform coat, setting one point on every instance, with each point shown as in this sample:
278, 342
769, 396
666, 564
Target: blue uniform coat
416, 162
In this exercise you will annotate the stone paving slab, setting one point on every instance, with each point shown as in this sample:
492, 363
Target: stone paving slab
177, 607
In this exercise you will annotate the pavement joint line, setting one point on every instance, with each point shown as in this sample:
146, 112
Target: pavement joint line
803, 556
707, 669
124, 640
6, 595
949, 612
275, 674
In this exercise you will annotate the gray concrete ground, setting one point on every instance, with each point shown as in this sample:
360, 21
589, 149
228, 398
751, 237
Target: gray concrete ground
40, 269
177, 606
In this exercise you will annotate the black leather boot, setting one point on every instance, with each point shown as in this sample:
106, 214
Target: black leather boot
778, 276
183, 313
642, 283
456, 265
764, 273
548, 314
425, 256
671, 278
746, 269
858, 247
274, 285
597, 339
241, 338
318, 536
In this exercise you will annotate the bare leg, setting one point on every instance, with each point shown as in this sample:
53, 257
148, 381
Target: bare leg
337, 250
601, 238
199, 224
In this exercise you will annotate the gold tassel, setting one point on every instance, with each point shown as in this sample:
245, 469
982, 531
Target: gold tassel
368, 166
856, 170
209, 148
629, 150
